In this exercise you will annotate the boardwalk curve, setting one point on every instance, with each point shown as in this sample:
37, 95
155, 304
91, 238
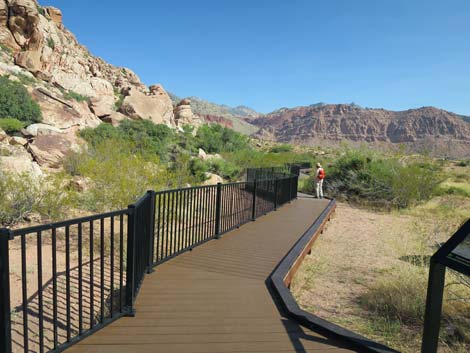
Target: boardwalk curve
215, 298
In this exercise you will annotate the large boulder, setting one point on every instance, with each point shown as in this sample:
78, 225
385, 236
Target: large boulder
41, 129
156, 106
61, 114
50, 150
212, 179
16, 159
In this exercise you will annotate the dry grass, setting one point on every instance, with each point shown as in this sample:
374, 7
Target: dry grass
368, 272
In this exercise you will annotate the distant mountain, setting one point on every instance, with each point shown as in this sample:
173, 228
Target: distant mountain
233, 117
425, 129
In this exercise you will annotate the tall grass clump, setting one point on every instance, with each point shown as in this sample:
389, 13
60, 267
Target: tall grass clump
384, 181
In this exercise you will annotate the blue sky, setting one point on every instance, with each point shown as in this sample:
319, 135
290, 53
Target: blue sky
395, 54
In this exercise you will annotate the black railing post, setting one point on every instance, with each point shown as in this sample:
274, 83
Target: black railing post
432, 316
5, 314
130, 270
253, 209
290, 189
151, 220
218, 210
275, 194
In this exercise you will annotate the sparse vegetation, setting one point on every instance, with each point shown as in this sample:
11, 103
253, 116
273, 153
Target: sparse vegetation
71, 95
51, 43
16, 103
26, 80
119, 99
5, 49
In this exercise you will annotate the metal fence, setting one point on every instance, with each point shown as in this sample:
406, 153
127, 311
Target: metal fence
61, 282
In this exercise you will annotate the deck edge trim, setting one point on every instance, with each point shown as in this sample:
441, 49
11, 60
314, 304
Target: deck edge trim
279, 282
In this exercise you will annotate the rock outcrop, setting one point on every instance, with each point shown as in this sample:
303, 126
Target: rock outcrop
155, 106
184, 114
73, 88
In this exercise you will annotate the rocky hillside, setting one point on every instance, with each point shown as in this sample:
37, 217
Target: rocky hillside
73, 88
424, 129
231, 117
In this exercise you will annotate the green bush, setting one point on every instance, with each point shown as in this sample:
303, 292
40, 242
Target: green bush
374, 179
216, 139
143, 137
225, 169
11, 126
117, 174
16, 103
198, 169
51, 43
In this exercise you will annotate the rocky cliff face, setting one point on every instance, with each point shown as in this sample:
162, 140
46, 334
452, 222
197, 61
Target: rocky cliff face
35, 45
428, 128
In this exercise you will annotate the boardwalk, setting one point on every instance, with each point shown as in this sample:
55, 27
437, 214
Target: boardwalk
215, 299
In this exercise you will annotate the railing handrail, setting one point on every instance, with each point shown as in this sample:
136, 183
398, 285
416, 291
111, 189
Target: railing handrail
190, 216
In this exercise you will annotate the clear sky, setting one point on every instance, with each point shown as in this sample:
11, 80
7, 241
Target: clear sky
267, 54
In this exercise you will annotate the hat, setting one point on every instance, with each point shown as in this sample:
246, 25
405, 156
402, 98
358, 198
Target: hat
318, 165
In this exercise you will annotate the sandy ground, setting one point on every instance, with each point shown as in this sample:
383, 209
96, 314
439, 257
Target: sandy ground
357, 249
353, 250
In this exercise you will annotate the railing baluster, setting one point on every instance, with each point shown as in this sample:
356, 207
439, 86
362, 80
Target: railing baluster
54, 286
24, 285
80, 279
5, 313
40, 292
67, 280
111, 250
121, 261
92, 288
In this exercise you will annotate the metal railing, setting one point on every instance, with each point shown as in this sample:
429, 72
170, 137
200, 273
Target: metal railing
63, 281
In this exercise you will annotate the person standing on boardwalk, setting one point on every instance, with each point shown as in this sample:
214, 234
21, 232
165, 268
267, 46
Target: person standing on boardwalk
319, 176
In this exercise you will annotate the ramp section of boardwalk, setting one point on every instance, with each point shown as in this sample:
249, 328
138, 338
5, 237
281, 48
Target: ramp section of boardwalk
215, 298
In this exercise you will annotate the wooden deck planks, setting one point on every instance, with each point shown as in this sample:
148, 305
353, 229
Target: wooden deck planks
214, 298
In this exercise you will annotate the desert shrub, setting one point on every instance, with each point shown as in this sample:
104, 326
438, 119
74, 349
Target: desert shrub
368, 178
16, 103
225, 169
198, 169
71, 95
11, 126
22, 195
143, 137
281, 148
216, 139
119, 176
18, 195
